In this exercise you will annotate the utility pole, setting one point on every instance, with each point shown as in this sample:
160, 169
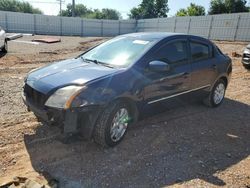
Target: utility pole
60, 2
73, 8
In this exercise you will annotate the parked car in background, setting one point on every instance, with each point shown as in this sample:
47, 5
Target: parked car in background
106, 89
246, 57
3, 41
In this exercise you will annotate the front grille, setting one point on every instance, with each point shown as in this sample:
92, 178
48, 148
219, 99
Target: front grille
36, 97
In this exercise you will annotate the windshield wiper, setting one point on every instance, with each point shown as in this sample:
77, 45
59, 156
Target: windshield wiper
89, 60
97, 62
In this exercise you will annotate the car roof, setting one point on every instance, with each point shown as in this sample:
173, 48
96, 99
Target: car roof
152, 35
161, 35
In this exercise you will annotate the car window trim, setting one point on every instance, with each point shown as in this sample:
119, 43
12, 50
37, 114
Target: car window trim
172, 41
202, 43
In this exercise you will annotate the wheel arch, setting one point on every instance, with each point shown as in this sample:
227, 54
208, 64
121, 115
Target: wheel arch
132, 106
224, 78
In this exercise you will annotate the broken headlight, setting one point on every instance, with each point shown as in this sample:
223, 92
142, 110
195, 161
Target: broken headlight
62, 98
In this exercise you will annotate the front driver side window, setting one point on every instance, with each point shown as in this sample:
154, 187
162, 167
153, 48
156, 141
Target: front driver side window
174, 52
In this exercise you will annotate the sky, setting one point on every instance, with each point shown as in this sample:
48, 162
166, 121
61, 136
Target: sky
51, 7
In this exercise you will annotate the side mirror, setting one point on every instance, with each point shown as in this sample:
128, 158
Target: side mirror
159, 66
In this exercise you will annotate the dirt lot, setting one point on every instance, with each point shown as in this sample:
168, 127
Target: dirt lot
189, 146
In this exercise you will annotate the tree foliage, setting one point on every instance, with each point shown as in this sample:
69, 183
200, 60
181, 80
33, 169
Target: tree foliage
82, 11
105, 13
150, 9
228, 6
18, 6
192, 10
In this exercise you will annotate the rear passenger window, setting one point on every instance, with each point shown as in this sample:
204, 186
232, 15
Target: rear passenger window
199, 51
175, 52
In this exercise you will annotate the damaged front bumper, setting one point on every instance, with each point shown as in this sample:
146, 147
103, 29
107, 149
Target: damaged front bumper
72, 121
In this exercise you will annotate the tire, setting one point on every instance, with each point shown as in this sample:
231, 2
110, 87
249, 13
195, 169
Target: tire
105, 124
216, 95
5, 47
246, 66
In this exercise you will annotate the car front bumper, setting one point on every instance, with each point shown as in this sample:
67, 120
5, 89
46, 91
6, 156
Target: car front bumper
246, 57
246, 61
78, 120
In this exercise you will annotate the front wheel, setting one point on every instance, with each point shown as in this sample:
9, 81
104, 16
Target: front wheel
217, 94
112, 124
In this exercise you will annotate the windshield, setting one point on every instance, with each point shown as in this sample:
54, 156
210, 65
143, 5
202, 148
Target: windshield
121, 51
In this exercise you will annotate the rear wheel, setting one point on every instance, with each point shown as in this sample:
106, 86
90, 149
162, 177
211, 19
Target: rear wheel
217, 94
112, 124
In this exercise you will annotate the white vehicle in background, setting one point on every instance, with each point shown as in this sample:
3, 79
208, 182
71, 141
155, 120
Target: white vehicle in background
3, 41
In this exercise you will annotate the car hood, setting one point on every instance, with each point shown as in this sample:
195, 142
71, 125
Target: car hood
67, 72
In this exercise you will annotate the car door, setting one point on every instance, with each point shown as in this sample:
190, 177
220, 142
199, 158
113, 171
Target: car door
167, 84
2, 35
203, 64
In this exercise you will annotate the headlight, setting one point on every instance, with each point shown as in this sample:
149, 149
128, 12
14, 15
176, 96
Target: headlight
246, 51
63, 97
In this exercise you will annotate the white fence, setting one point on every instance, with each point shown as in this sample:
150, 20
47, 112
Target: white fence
234, 27
55, 25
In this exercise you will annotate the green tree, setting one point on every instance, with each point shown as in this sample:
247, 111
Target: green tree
111, 14
136, 13
228, 6
161, 8
18, 6
82, 11
182, 12
192, 10
150, 9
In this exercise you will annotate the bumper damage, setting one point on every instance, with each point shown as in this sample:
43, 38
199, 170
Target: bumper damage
71, 121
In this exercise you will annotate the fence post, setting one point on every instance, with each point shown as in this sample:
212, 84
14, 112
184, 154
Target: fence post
136, 26
175, 21
189, 25
237, 27
210, 27
158, 24
102, 28
61, 32
6, 22
82, 27
34, 24
119, 27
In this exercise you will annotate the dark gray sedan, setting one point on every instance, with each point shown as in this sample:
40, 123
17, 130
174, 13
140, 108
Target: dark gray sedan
106, 89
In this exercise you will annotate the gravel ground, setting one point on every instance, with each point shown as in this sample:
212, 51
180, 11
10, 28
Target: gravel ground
189, 146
